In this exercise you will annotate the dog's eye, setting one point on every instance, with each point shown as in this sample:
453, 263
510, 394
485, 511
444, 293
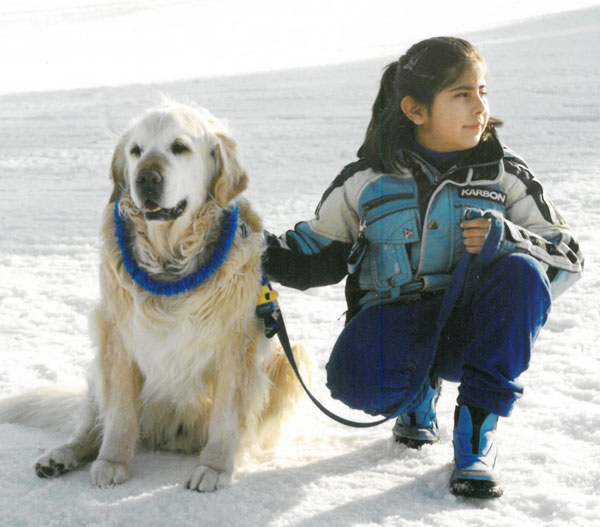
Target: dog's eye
179, 148
135, 151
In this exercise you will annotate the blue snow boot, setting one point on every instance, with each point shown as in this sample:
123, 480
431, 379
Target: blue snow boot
420, 427
475, 451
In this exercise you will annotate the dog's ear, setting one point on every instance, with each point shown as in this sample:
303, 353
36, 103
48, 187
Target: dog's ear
230, 179
118, 170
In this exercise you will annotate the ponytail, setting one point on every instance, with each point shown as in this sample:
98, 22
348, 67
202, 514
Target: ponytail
388, 124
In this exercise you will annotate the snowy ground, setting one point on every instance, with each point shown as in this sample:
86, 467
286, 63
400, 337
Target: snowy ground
296, 129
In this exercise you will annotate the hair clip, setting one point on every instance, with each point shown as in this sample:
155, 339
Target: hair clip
412, 62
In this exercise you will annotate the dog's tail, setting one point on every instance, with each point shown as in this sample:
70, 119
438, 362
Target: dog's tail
48, 407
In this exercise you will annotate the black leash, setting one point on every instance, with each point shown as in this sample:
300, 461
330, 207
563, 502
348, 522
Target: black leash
268, 309
287, 348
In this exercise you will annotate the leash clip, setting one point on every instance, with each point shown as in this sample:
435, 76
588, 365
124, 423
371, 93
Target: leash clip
267, 308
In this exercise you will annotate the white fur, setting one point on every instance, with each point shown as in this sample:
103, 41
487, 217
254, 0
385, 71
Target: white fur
189, 176
188, 373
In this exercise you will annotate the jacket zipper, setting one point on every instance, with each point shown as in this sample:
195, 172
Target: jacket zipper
386, 199
380, 201
384, 216
445, 182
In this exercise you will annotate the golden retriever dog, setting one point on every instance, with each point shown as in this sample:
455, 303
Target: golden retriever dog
182, 360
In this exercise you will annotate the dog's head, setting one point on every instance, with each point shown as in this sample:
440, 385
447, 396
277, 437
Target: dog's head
175, 158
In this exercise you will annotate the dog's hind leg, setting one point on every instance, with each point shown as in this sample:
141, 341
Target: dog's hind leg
81, 449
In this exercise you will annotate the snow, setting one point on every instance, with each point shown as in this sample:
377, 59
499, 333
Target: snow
299, 113
76, 44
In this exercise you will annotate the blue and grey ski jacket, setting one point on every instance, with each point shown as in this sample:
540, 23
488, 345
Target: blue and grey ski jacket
399, 234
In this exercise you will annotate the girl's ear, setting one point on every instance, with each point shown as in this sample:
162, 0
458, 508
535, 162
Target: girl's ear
413, 110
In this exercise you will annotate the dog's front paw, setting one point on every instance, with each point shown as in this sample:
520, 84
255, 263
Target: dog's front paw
56, 462
106, 473
207, 479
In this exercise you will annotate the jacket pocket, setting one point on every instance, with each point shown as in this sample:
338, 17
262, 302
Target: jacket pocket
390, 233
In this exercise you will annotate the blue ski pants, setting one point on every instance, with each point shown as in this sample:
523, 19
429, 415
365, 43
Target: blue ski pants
485, 345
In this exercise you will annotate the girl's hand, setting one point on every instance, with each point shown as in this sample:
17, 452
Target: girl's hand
474, 234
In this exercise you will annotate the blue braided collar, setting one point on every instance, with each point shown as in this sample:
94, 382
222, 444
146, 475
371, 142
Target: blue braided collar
186, 283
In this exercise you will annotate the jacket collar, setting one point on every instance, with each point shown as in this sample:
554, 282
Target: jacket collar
486, 157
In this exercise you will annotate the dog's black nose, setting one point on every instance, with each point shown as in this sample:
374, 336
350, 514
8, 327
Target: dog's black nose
148, 178
149, 184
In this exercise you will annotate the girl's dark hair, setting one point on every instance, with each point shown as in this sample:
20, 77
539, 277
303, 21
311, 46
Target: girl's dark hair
422, 72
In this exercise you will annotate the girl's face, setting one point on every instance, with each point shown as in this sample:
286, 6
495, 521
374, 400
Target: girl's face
458, 115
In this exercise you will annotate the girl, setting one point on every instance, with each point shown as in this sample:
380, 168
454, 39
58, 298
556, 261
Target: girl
397, 222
